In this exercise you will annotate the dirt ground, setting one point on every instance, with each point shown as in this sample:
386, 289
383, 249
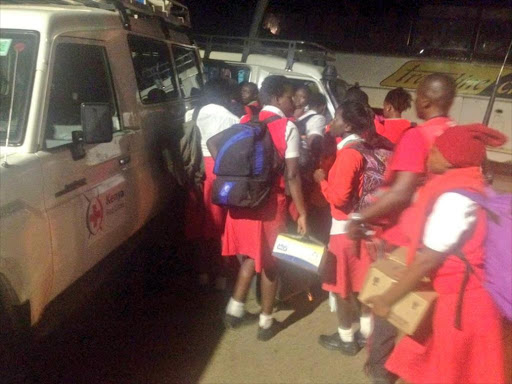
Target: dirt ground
149, 323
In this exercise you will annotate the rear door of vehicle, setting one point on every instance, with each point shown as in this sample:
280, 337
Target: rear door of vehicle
88, 200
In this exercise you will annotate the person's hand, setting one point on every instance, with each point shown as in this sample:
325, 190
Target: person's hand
319, 175
355, 230
379, 305
302, 225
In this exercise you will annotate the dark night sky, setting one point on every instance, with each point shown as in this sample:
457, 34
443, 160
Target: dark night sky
233, 17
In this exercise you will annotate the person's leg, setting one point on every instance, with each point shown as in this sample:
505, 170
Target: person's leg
267, 328
235, 309
366, 322
381, 345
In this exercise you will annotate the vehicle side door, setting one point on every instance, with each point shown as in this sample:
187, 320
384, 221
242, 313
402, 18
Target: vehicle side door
88, 199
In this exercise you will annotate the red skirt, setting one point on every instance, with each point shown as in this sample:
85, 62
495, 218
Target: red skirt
471, 355
345, 271
214, 215
253, 232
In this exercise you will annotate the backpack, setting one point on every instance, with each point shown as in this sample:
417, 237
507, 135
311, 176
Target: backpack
375, 160
246, 163
305, 158
498, 260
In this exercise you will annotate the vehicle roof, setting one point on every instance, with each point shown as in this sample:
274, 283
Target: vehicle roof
62, 17
269, 61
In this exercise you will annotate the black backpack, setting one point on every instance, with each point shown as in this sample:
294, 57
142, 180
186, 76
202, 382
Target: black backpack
246, 163
306, 161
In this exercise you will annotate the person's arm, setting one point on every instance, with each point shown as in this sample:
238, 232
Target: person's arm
452, 216
339, 189
295, 186
424, 263
395, 199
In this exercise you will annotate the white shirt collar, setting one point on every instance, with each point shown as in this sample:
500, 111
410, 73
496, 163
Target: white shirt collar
349, 138
308, 113
271, 108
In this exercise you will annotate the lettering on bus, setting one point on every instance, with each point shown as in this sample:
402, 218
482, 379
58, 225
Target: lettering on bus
471, 79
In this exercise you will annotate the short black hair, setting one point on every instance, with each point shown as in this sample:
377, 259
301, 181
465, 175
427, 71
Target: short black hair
356, 94
252, 86
357, 114
317, 100
216, 91
273, 86
399, 98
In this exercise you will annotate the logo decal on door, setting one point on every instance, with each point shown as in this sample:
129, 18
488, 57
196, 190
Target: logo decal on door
95, 216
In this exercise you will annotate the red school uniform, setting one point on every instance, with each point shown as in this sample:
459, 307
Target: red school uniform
253, 232
474, 353
393, 129
344, 270
411, 155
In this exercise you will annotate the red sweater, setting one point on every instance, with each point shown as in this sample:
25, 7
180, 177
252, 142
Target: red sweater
345, 179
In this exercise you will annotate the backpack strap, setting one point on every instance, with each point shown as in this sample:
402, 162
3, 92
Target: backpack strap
302, 124
467, 272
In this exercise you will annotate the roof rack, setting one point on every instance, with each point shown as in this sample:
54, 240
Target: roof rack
170, 13
292, 50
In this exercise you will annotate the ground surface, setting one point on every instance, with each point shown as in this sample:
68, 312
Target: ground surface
149, 323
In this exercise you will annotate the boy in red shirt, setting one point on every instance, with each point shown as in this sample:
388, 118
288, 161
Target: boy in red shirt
407, 171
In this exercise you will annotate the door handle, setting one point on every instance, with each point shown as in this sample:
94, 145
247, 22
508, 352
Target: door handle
124, 160
71, 187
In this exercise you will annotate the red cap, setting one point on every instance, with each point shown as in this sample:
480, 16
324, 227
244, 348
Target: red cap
464, 145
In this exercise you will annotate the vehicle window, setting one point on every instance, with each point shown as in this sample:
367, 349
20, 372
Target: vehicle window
494, 38
18, 52
214, 70
153, 69
80, 75
189, 74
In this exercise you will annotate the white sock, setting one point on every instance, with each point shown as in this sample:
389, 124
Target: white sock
235, 308
366, 327
347, 335
266, 320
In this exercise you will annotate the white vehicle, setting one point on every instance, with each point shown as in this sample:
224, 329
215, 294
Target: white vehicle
244, 59
466, 42
90, 95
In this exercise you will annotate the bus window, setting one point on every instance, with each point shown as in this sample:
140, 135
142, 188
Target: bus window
189, 73
495, 34
445, 31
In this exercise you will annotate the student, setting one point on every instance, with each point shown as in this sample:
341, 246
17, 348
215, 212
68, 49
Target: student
212, 117
406, 172
444, 224
393, 125
252, 232
312, 123
249, 93
301, 101
345, 270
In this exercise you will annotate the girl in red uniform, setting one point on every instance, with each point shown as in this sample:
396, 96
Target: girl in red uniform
249, 96
345, 269
252, 232
447, 223
393, 125
212, 117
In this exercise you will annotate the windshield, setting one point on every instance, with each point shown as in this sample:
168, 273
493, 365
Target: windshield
17, 67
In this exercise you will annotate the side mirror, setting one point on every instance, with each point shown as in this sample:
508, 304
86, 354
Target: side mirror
96, 122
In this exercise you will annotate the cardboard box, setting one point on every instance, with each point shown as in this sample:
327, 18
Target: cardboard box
399, 255
408, 313
304, 253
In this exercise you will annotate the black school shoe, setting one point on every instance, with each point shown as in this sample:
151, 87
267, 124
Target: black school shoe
265, 334
334, 343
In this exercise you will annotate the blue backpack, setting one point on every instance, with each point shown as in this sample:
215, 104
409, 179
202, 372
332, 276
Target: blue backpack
246, 164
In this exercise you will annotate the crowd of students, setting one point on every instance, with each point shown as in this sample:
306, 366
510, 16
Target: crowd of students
415, 207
